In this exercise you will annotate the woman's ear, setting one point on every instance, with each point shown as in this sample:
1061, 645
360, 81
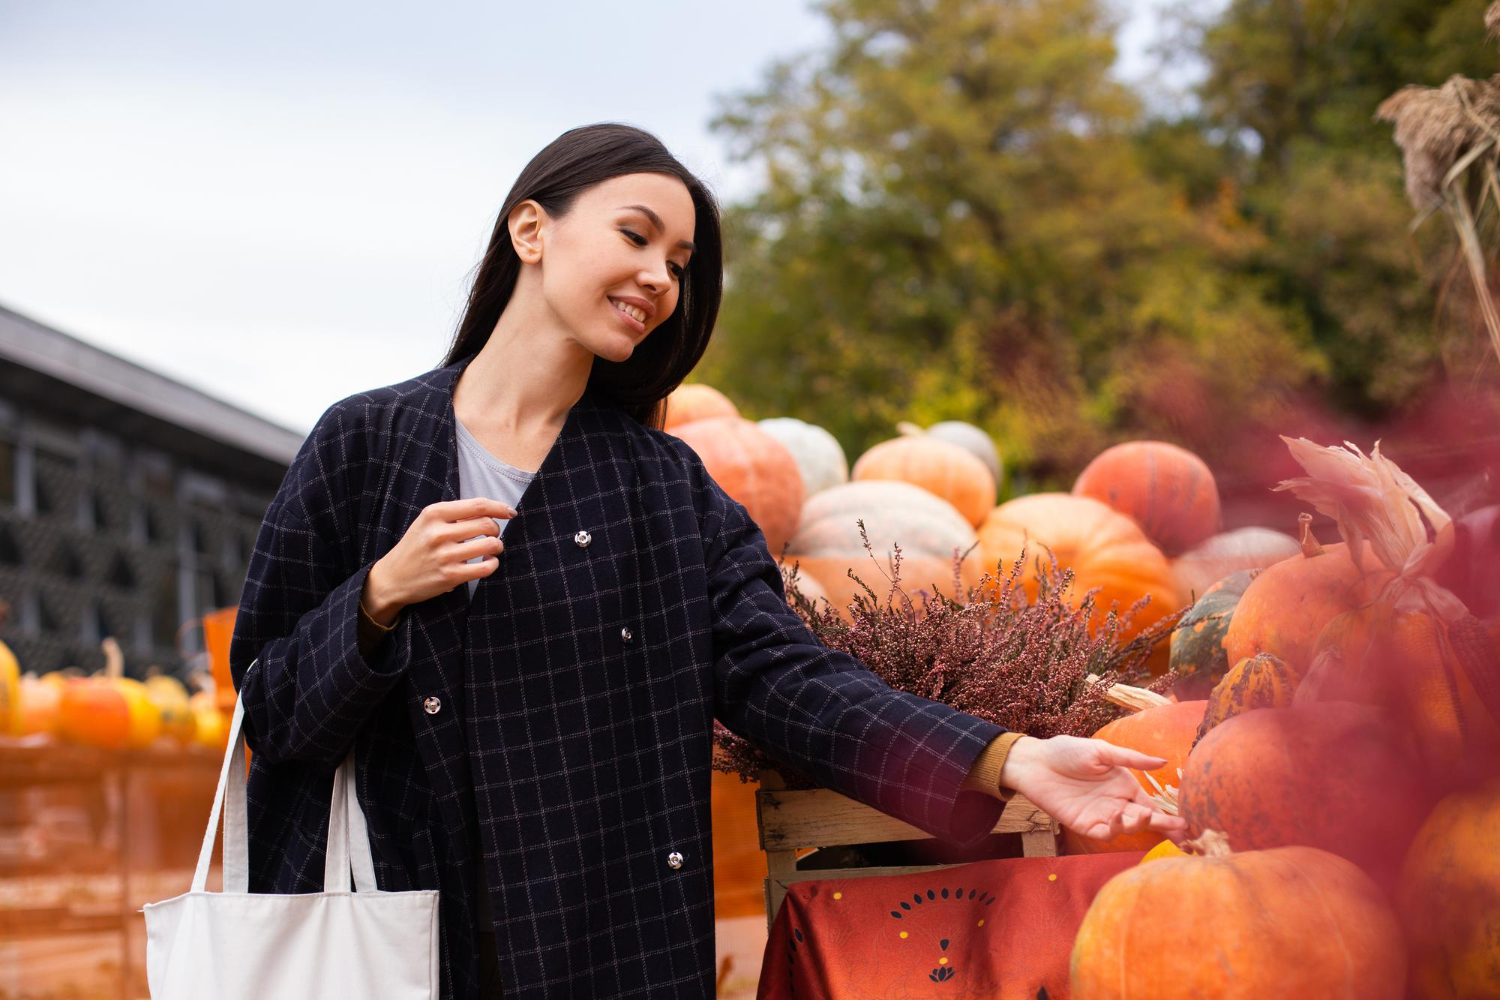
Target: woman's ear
525, 224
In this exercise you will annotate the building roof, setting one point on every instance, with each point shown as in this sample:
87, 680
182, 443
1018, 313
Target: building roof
33, 345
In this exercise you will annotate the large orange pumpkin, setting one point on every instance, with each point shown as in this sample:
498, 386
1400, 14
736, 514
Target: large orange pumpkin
927, 528
1331, 775
1288, 604
1165, 731
754, 468
1103, 548
696, 401
1449, 897
1290, 922
940, 467
1167, 490
113, 713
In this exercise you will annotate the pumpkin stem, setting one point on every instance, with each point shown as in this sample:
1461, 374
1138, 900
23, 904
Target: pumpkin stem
1310, 544
114, 658
1212, 844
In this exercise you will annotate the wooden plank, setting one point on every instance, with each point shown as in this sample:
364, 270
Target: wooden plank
821, 817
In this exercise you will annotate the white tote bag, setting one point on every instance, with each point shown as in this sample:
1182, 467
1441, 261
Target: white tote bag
239, 945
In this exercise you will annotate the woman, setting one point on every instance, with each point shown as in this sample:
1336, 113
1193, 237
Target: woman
532, 717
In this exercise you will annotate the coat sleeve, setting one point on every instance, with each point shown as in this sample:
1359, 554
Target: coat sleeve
298, 619
820, 710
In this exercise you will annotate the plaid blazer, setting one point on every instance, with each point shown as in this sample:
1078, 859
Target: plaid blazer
602, 681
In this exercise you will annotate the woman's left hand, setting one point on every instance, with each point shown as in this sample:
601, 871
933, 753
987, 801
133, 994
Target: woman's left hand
1084, 784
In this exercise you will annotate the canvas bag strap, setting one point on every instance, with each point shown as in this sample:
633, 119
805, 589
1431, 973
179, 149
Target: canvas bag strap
348, 835
236, 877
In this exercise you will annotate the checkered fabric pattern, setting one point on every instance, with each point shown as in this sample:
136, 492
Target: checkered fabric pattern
570, 744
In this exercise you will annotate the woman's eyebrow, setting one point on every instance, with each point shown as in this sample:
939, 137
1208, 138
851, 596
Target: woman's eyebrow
656, 221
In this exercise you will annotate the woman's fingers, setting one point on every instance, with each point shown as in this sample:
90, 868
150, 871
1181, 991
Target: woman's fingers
468, 508
1125, 757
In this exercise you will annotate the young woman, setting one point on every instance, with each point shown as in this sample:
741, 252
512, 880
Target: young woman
532, 716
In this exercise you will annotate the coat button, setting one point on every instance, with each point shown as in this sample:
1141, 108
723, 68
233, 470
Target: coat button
432, 705
582, 539
675, 859
625, 634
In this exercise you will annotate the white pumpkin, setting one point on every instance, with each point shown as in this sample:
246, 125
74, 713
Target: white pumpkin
820, 458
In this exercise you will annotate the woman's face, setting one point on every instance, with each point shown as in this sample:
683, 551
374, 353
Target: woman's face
625, 243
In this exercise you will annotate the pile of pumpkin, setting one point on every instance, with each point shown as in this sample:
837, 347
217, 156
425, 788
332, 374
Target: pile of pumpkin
1332, 739
1342, 775
1142, 521
107, 710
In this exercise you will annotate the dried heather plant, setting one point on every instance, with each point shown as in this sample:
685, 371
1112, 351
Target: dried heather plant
1019, 662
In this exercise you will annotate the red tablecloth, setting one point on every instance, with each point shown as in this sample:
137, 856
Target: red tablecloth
998, 930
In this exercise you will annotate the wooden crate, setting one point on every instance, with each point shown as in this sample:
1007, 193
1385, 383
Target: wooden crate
822, 818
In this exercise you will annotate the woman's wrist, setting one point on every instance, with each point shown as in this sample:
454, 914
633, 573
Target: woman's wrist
376, 599
1018, 762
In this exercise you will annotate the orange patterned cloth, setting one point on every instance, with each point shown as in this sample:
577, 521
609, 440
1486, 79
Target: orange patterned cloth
998, 930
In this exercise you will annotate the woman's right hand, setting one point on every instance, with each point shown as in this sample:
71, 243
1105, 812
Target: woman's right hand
433, 556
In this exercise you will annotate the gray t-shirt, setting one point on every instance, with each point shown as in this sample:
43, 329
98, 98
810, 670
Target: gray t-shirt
481, 474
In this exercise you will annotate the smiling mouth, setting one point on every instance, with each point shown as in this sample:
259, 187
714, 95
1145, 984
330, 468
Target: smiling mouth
635, 313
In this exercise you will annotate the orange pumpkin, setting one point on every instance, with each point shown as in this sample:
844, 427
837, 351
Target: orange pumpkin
113, 713
1289, 922
696, 401
1103, 548
1166, 731
1167, 490
1288, 604
1330, 775
1449, 897
754, 468
940, 467
927, 528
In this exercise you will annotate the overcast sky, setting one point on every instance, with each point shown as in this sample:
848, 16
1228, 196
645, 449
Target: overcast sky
281, 204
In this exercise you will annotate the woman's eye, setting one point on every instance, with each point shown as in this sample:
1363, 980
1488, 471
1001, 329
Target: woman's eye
677, 269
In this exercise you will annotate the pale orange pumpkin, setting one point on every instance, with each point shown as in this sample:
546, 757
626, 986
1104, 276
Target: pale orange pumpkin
939, 467
1104, 548
927, 528
1288, 922
1167, 490
696, 401
41, 697
1165, 731
1227, 553
753, 468
1449, 896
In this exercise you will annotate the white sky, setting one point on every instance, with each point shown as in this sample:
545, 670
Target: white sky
281, 203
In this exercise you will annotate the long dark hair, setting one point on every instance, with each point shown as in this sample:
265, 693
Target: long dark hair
573, 162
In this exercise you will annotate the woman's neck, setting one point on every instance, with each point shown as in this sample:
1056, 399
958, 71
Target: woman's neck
523, 381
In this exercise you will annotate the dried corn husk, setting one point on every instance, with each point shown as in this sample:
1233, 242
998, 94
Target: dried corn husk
1374, 503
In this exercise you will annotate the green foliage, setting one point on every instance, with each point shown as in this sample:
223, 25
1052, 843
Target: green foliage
964, 216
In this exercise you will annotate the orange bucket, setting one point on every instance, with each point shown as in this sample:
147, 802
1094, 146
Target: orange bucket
218, 627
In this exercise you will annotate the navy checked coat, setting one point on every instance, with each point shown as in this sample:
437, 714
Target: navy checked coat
597, 765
